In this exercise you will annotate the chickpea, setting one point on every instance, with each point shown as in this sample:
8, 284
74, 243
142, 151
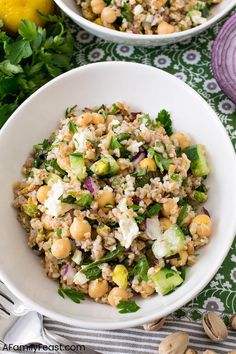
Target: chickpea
42, 193
146, 291
116, 295
165, 28
106, 197
97, 288
61, 248
201, 225
80, 228
97, 6
64, 163
148, 163
165, 224
182, 140
170, 207
108, 15
98, 119
84, 119
183, 257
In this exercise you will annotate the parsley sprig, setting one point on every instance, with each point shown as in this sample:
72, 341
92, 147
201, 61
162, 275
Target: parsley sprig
30, 59
127, 306
72, 294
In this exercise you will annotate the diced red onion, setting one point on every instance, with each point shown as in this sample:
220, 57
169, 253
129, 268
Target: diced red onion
68, 273
65, 270
91, 185
139, 157
224, 58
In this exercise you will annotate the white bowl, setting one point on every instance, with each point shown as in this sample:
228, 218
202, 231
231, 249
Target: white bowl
144, 88
73, 11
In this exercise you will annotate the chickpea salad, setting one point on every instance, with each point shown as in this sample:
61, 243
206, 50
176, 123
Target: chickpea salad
113, 203
147, 16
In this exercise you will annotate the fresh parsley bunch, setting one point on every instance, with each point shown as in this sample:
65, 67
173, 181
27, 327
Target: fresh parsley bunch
32, 58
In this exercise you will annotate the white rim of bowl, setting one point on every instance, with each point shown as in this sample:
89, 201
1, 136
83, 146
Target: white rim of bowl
125, 35
193, 292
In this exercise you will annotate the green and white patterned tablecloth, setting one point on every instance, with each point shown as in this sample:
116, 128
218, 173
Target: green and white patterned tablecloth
190, 61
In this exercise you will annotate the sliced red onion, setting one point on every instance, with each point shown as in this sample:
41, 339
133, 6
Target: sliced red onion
223, 58
137, 158
91, 185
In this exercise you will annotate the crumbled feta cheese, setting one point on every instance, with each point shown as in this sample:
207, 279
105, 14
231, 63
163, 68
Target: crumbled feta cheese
134, 147
138, 10
77, 257
149, 18
196, 17
52, 203
80, 278
153, 228
129, 230
80, 139
115, 122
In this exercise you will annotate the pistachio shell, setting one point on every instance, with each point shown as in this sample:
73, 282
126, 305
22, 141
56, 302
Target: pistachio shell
190, 351
233, 321
214, 327
151, 326
175, 343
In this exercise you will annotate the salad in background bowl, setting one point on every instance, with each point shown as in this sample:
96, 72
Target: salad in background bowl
125, 22
38, 116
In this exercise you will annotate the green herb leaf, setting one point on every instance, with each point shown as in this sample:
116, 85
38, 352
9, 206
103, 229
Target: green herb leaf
153, 210
60, 292
175, 177
179, 152
84, 201
114, 109
93, 273
109, 206
163, 118
182, 215
69, 111
114, 143
69, 199
18, 50
127, 306
72, 294
161, 162
27, 30
140, 269
53, 163
72, 127
107, 258
123, 136
92, 142
58, 232
10, 69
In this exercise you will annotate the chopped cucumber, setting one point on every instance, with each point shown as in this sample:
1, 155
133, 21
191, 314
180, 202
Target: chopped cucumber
106, 166
170, 243
199, 164
166, 280
78, 166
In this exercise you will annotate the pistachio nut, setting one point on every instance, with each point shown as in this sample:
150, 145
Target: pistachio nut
209, 352
214, 327
151, 326
175, 343
233, 321
190, 351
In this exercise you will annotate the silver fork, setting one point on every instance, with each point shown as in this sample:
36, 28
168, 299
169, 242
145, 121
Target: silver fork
28, 326
9, 304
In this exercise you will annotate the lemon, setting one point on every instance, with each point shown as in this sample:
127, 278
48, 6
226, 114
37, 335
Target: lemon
12, 11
